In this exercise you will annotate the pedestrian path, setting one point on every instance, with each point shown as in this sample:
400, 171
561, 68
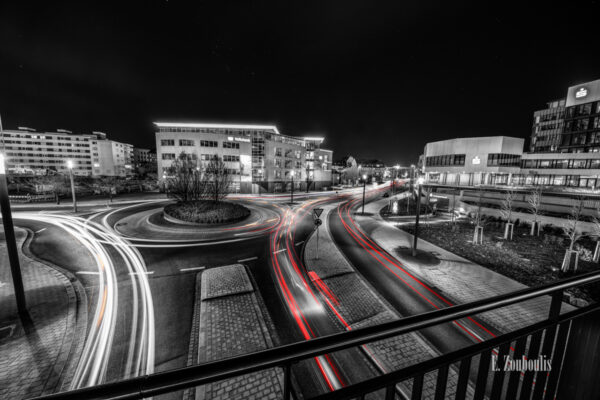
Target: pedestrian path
230, 320
357, 305
459, 279
39, 358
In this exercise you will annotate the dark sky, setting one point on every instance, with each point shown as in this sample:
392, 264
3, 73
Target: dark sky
377, 78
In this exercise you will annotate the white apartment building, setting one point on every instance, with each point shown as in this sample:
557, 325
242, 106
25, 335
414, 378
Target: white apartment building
28, 152
110, 158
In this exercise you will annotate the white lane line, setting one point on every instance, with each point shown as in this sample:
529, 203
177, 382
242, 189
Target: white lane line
299, 243
141, 273
191, 269
88, 272
41, 230
247, 259
279, 251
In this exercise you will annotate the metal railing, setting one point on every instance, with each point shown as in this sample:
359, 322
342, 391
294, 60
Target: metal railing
547, 336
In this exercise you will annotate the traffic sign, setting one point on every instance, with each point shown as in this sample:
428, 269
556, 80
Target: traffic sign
317, 212
318, 221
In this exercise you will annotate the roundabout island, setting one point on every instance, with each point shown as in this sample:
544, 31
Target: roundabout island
206, 212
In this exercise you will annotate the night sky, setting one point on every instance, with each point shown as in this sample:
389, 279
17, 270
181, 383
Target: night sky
378, 79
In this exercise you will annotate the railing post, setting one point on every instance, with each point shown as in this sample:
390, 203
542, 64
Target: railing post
555, 304
287, 381
390, 392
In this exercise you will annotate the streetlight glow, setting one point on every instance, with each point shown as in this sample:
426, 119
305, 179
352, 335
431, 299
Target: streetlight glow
292, 173
365, 177
69, 164
420, 181
2, 167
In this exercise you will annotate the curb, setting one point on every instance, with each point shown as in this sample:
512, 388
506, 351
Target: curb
77, 314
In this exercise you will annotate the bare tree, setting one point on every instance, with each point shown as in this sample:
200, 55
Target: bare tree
572, 233
478, 219
534, 200
184, 179
217, 179
596, 234
506, 210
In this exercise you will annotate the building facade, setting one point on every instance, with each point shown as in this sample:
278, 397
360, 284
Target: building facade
144, 161
258, 157
111, 158
581, 133
546, 133
564, 149
29, 152
473, 161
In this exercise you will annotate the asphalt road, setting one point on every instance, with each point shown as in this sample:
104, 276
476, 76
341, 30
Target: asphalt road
143, 292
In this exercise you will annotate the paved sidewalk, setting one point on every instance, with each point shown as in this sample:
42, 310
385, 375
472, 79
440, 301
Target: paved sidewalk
360, 306
231, 322
459, 279
41, 360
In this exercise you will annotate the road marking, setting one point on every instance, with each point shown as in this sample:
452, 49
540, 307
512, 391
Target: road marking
191, 269
248, 259
41, 230
299, 243
88, 272
279, 251
142, 273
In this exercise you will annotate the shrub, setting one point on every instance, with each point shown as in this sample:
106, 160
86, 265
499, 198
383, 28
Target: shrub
207, 212
584, 253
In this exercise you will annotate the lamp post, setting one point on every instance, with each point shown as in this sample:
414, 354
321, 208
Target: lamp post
416, 237
397, 168
364, 190
292, 172
70, 166
11, 242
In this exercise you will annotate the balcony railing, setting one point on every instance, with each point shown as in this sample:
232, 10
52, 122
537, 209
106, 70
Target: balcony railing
544, 338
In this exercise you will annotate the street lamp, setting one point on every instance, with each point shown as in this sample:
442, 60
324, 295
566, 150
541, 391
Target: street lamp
364, 190
11, 242
416, 237
70, 166
397, 168
292, 172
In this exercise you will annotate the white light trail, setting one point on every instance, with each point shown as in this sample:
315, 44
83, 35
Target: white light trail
93, 363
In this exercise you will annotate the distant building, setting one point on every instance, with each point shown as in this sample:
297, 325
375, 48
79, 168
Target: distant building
373, 168
29, 152
144, 161
111, 158
258, 157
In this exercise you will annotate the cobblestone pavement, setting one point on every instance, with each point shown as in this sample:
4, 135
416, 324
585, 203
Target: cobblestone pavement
361, 306
230, 323
457, 278
41, 359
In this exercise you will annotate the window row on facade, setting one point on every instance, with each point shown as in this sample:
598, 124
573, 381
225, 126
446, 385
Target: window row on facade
503, 160
445, 160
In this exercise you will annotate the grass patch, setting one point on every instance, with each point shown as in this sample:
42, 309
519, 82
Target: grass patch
207, 212
531, 260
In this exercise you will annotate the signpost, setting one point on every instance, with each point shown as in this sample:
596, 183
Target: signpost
316, 214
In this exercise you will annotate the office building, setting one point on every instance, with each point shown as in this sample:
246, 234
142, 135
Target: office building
258, 157
548, 127
473, 161
29, 152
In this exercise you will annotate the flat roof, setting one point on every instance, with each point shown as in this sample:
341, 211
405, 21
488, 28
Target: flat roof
213, 125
